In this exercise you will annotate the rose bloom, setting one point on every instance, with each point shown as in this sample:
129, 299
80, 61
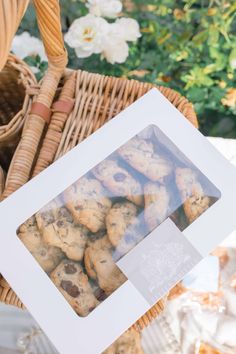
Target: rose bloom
94, 35
116, 50
106, 8
25, 45
126, 28
86, 35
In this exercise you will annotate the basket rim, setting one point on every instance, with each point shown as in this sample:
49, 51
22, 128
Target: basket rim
22, 67
28, 80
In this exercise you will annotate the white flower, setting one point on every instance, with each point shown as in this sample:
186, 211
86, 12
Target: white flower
25, 45
232, 59
106, 8
86, 35
233, 63
94, 35
127, 28
116, 50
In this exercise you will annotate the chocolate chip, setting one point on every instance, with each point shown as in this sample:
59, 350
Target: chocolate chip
66, 215
119, 177
70, 269
60, 223
71, 289
100, 294
43, 252
65, 284
74, 291
47, 217
63, 212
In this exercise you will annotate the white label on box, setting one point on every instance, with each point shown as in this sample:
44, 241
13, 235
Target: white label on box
160, 261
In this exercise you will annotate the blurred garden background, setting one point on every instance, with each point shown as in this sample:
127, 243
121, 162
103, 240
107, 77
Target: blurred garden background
188, 45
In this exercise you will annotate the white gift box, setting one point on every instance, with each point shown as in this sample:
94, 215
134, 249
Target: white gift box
162, 257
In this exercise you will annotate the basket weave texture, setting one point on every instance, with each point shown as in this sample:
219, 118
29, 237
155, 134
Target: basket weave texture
16, 94
98, 98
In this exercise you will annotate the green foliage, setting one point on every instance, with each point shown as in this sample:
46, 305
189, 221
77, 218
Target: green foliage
189, 45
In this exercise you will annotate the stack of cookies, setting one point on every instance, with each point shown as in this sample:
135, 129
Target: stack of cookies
78, 237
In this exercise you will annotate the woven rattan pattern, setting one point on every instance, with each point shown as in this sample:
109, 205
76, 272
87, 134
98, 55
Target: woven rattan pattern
15, 98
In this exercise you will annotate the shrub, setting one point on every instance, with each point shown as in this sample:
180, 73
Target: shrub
189, 45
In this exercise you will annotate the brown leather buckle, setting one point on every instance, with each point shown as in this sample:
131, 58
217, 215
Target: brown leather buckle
41, 110
63, 106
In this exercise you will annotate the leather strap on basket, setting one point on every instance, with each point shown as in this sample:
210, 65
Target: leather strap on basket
63, 106
41, 110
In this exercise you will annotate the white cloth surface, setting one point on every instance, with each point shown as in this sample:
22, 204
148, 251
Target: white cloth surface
13, 322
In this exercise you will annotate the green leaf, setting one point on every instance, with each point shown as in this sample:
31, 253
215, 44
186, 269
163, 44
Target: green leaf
197, 77
220, 61
194, 53
197, 94
31, 60
200, 37
223, 127
213, 35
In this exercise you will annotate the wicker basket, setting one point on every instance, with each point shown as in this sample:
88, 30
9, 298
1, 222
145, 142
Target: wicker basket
15, 99
97, 99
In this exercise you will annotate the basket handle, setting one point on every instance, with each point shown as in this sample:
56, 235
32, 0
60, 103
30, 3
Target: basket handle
11, 13
49, 22
48, 17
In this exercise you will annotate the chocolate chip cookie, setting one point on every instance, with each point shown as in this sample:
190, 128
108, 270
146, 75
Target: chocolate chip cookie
140, 154
59, 229
47, 256
123, 226
119, 181
87, 203
74, 285
128, 343
156, 204
195, 202
100, 265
